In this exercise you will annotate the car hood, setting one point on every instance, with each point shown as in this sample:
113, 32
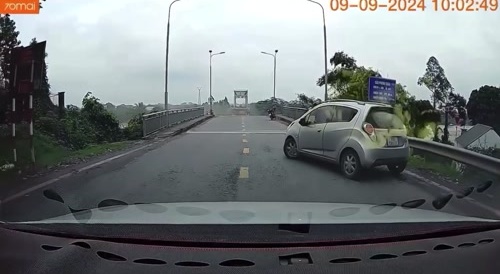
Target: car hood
255, 213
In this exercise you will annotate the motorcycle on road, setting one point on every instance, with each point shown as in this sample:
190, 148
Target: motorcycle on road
272, 114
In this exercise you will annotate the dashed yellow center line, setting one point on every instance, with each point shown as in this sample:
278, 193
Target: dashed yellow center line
243, 172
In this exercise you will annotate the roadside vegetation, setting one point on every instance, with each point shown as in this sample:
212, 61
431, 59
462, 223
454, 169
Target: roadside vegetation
349, 80
442, 168
62, 134
78, 133
452, 171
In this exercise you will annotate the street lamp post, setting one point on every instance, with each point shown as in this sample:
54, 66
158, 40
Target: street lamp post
274, 81
325, 48
210, 98
166, 59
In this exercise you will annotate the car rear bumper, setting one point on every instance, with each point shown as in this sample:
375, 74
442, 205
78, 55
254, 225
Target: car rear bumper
386, 156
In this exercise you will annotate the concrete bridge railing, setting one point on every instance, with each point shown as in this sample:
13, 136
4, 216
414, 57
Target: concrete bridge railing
154, 122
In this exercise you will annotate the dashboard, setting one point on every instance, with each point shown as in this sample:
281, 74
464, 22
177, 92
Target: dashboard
23, 252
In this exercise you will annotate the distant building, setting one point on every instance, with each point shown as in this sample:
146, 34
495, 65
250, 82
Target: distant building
481, 136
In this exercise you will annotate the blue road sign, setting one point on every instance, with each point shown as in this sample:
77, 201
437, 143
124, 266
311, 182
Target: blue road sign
381, 90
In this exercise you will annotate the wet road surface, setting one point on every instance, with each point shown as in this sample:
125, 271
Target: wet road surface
228, 158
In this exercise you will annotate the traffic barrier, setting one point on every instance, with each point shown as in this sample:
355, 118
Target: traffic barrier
154, 122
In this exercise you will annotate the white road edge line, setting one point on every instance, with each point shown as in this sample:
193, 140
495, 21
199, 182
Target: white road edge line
66, 175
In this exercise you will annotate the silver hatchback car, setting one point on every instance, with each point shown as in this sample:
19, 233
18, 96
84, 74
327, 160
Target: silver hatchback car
357, 135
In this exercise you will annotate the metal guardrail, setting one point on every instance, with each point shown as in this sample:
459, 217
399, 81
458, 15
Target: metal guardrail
293, 112
154, 122
471, 158
468, 157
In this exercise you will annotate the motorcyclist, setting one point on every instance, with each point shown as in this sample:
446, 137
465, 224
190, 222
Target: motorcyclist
272, 112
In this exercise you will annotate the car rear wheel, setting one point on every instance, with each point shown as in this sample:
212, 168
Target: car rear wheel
397, 169
290, 148
350, 166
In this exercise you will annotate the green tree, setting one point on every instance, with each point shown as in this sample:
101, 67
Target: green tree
458, 106
109, 107
221, 107
124, 113
133, 131
357, 86
78, 131
424, 118
402, 95
483, 106
343, 60
435, 80
225, 102
8, 41
402, 107
105, 125
260, 107
341, 73
140, 107
307, 102
350, 81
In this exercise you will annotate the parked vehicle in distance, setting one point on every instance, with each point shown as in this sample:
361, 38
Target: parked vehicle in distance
357, 135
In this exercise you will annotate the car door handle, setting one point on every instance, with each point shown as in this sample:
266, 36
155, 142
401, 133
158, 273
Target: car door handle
319, 130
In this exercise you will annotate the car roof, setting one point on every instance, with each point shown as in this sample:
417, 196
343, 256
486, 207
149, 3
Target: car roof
352, 103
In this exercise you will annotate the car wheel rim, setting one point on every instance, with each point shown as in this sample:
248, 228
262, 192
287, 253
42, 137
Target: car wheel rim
291, 149
350, 164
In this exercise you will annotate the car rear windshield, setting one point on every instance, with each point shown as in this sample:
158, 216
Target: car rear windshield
384, 117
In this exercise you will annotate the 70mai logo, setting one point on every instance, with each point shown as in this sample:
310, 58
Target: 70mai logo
19, 7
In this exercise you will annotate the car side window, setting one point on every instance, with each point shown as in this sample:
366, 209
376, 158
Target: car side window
342, 114
318, 116
329, 113
310, 119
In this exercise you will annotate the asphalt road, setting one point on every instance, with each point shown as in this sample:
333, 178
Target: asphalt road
228, 158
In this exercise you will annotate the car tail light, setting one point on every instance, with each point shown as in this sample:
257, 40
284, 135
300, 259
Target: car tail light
368, 128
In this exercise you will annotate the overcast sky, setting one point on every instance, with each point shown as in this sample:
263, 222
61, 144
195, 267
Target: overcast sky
116, 48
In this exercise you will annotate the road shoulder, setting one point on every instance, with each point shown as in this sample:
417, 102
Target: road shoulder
26, 182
